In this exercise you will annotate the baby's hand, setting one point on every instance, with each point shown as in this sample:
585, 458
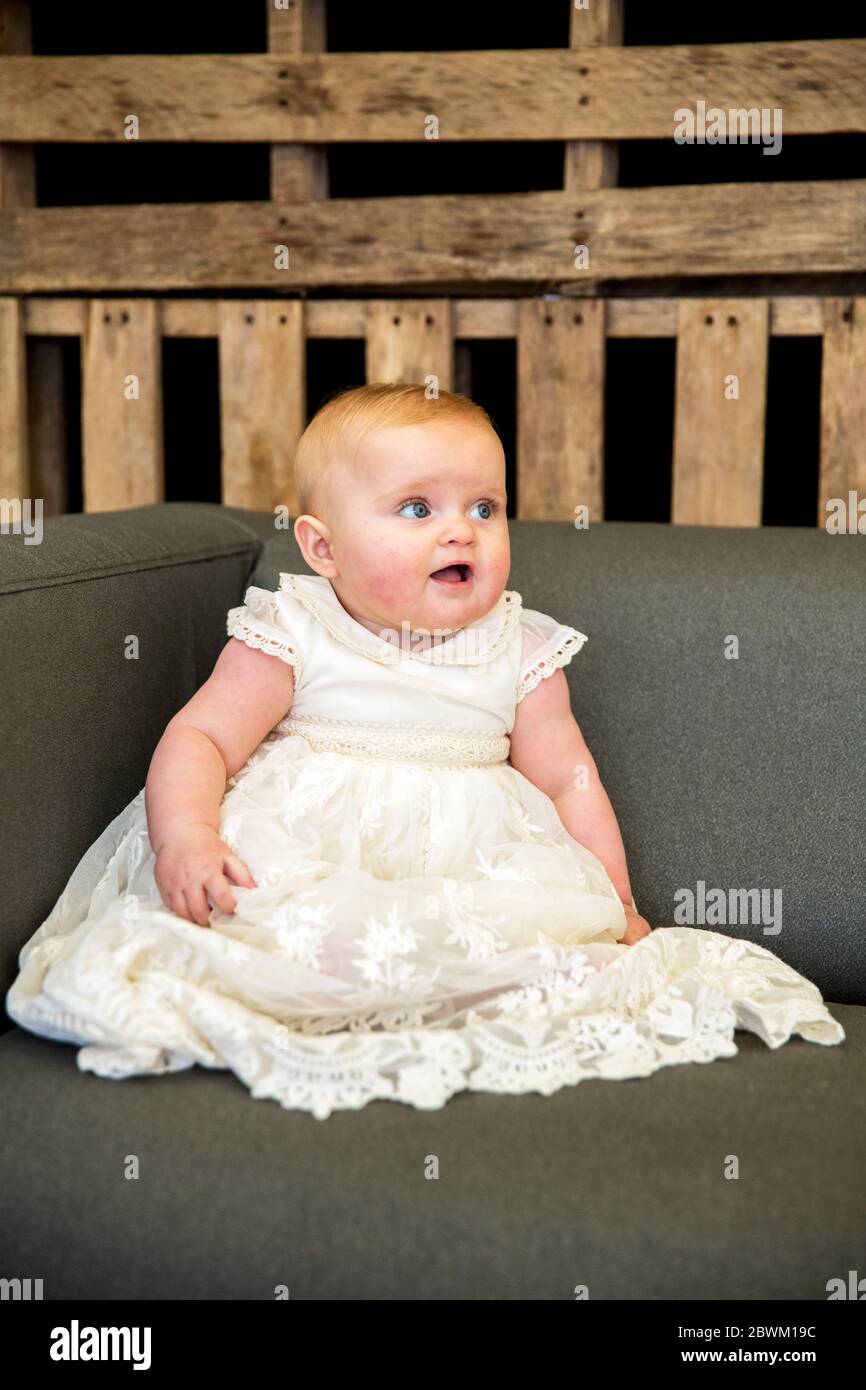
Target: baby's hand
636, 927
194, 861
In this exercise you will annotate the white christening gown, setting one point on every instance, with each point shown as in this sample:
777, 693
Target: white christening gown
422, 923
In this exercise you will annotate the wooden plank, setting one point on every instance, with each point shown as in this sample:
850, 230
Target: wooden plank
593, 163
123, 464
560, 409
790, 316
410, 340
47, 427
298, 172
506, 241
17, 162
17, 189
46, 422
842, 465
492, 94
720, 406
262, 401
14, 464
60, 318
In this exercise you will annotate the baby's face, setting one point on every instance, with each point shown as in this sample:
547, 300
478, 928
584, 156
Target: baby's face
418, 499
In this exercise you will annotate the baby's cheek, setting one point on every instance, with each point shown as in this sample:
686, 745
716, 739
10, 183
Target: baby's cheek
390, 582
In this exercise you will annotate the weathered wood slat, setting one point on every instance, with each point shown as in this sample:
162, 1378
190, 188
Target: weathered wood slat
121, 444
262, 400
17, 189
790, 316
14, 464
410, 340
527, 94
17, 164
593, 163
509, 240
721, 391
48, 427
298, 172
842, 465
560, 409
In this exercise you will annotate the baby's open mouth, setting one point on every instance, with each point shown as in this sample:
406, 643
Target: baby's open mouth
453, 574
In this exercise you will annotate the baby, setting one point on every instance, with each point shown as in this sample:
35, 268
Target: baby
398, 911
409, 527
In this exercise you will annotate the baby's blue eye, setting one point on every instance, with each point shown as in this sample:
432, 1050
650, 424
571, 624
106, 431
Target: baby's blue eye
417, 503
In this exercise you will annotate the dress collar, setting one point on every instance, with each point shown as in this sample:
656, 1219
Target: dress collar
476, 643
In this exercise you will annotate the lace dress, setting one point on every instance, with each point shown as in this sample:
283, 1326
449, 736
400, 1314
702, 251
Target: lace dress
422, 923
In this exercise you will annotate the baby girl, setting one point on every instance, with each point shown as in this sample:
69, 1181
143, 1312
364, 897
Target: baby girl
407, 523
412, 878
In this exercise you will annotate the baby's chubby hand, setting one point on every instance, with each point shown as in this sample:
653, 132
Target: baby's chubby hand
192, 864
636, 927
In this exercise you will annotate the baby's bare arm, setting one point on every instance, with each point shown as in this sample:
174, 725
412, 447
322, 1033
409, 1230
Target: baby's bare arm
547, 746
205, 743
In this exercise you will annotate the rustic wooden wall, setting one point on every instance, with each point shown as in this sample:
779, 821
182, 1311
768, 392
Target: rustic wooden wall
411, 275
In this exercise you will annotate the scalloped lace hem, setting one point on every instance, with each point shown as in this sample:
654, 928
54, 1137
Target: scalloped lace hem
262, 641
550, 663
424, 1067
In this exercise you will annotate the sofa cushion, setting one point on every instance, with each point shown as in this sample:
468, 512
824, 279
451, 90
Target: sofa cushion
618, 1185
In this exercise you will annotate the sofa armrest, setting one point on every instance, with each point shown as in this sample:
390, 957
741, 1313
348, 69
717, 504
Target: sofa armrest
109, 622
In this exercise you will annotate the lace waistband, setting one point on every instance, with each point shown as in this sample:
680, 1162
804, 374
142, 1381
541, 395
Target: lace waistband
416, 743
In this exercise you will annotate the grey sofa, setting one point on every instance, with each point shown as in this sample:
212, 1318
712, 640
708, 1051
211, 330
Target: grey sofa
746, 772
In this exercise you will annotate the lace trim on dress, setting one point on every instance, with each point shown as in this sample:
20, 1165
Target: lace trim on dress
424, 743
254, 637
535, 1037
546, 665
378, 649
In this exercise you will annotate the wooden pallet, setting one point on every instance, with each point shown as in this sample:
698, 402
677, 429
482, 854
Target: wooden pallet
722, 347
431, 268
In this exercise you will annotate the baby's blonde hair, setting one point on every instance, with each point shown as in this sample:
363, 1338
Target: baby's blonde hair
339, 425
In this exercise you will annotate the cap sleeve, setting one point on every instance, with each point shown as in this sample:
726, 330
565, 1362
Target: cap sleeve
261, 621
547, 645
